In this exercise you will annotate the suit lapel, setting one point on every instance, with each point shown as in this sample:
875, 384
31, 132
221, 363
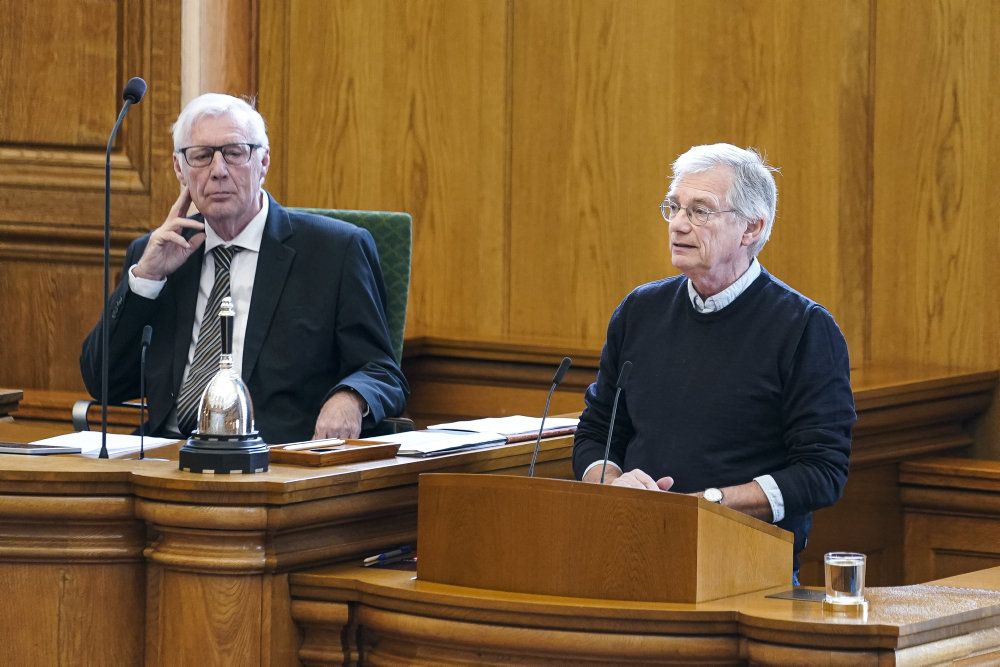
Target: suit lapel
273, 265
184, 284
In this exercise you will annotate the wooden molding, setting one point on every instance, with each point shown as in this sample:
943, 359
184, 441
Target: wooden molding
99, 529
68, 170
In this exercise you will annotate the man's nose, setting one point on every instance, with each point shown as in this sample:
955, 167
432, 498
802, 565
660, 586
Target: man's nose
219, 166
680, 222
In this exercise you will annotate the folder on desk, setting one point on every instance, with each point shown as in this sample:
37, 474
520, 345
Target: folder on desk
516, 428
439, 442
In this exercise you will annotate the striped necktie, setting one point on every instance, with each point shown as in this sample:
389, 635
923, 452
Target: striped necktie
209, 345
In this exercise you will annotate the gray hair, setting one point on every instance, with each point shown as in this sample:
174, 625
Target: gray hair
216, 104
752, 193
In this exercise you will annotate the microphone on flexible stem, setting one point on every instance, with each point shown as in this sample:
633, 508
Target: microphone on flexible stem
622, 378
147, 336
556, 379
134, 90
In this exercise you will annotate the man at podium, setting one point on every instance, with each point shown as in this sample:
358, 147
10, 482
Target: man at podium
740, 386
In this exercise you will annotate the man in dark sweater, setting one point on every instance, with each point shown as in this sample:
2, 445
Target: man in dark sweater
740, 388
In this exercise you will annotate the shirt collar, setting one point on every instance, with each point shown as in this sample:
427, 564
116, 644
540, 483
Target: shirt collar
727, 296
249, 238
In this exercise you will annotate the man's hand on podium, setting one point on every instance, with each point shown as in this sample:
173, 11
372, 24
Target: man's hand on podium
637, 479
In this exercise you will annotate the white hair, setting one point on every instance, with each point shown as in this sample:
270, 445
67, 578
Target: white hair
216, 104
753, 193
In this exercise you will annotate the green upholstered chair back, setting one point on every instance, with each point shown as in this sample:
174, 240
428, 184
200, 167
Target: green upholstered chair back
392, 232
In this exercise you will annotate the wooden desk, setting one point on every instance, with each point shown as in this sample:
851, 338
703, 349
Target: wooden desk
125, 562
385, 616
129, 562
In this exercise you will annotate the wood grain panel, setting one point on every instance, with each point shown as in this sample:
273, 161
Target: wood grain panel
937, 145
70, 94
605, 96
393, 105
220, 48
229, 613
43, 350
52, 186
53, 605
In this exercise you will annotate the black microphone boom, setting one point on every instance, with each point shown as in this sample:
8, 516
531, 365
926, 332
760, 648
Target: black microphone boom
556, 379
147, 336
622, 379
133, 93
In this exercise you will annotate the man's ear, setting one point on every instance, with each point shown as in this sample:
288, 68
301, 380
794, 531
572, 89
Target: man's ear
753, 231
265, 164
178, 171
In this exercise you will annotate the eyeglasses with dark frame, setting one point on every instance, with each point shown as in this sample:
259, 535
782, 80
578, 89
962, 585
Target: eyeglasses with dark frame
235, 155
697, 215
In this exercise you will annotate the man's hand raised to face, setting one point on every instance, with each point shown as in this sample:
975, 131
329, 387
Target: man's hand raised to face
167, 248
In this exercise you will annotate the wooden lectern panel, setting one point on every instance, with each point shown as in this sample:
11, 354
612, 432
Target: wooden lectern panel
558, 537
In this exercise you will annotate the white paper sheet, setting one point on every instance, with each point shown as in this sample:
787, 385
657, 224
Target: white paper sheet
89, 442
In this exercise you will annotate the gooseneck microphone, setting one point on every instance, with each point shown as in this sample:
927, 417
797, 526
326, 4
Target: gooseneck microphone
622, 379
556, 379
134, 90
147, 336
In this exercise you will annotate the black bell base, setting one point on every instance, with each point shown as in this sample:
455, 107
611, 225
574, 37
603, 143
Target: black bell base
224, 456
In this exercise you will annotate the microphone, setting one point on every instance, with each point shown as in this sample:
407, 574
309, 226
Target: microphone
147, 335
133, 93
556, 379
622, 379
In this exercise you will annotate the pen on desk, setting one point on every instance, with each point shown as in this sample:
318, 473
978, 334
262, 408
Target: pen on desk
402, 558
383, 557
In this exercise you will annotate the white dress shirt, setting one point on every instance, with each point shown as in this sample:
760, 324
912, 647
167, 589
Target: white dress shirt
241, 276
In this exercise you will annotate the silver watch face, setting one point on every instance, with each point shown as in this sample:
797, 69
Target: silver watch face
713, 495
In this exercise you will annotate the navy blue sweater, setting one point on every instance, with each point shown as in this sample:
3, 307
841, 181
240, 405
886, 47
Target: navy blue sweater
716, 399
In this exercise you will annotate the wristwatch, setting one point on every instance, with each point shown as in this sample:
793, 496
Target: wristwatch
713, 495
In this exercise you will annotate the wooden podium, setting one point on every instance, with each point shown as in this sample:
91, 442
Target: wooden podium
558, 537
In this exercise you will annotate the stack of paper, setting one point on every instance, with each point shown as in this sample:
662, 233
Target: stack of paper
516, 428
89, 442
439, 442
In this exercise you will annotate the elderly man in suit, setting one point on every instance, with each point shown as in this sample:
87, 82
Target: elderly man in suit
310, 336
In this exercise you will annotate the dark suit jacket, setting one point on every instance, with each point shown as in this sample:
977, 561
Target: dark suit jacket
316, 324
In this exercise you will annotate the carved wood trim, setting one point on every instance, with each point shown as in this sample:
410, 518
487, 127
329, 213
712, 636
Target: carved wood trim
68, 170
83, 529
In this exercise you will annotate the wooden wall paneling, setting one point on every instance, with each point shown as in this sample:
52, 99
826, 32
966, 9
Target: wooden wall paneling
400, 105
951, 511
220, 48
606, 94
64, 102
52, 167
586, 175
936, 147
